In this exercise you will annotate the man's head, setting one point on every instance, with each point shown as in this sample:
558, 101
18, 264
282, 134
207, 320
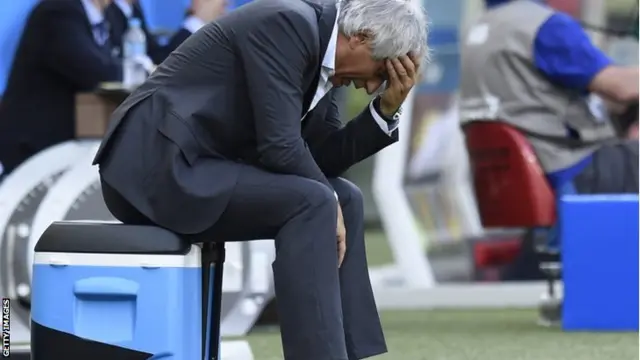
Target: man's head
208, 10
371, 31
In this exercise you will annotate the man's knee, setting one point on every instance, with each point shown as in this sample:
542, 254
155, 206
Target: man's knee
348, 193
317, 194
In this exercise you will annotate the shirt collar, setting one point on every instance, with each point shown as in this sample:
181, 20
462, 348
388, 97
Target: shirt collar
329, 59
193, 24
94, 14
125, 7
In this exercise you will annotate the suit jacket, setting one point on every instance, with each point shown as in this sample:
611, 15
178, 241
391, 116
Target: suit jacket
177, 39
233, 92
120, 24
56, 58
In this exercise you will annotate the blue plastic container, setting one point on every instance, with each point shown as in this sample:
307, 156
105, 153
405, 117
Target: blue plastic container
600, 262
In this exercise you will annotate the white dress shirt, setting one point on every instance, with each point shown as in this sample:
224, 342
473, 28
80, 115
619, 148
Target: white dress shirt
193, 24
95, 17
125, 7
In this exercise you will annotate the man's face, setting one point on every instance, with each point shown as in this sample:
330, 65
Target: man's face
357, 66
209, 10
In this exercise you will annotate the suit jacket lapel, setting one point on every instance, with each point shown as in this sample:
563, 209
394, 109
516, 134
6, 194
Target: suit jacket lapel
327, 13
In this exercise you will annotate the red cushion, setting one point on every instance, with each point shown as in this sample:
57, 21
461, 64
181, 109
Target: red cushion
511, 188
496, 253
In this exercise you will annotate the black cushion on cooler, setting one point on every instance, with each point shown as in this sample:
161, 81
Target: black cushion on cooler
107, 238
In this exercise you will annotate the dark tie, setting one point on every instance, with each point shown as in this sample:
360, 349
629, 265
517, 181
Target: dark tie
101, 33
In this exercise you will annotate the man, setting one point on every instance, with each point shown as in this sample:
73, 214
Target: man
236, 136
532, 67
121, 11
201, 13
536, 69
65, 49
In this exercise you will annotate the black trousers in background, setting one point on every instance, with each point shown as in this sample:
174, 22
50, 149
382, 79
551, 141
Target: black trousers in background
613, 170
325, 312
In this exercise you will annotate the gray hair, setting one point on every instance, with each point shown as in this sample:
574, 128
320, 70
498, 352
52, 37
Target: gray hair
397, 27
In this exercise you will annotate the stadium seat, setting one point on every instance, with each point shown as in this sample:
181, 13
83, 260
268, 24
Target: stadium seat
113, 291
511, 188
512, 191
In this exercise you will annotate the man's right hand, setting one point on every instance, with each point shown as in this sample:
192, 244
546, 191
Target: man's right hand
403, 74
341, 235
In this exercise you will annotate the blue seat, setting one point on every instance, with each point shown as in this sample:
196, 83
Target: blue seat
600, 262
113, 291
13, 15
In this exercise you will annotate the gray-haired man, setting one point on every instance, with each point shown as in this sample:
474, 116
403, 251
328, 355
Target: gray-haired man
236, 136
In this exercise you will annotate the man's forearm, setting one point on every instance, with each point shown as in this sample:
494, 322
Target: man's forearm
617, 83
354, 142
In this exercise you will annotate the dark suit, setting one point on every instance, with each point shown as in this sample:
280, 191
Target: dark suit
211, 146
177, 39
57, 57
120, 25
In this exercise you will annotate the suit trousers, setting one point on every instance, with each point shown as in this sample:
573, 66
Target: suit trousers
326, 312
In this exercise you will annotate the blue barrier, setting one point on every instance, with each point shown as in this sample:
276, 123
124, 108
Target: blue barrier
13, 15
600, 262
167, 15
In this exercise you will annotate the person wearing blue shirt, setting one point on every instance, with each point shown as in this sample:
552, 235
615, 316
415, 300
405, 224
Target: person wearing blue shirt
558, 60
565, 54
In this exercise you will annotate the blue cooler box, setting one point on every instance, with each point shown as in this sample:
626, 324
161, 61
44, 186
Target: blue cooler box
600, 262
124, 306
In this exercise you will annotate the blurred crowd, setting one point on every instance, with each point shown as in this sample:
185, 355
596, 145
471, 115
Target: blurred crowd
68, 47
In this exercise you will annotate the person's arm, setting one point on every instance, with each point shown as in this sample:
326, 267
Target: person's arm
275, 55
617, 83
71, 51
564, 53
336, 147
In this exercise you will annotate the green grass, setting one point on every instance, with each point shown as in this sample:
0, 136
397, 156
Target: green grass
378, 252
478, 335
472, 334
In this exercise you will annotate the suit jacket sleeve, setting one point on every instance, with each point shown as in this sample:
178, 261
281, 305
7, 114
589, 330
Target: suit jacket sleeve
336, 147
72, 51
275, 56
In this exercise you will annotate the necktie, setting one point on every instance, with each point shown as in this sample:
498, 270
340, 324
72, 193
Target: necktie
101, 33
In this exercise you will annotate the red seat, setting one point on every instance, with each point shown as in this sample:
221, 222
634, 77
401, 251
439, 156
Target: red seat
511, 188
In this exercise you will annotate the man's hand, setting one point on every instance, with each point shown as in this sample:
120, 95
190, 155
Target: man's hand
403, 75
341, 235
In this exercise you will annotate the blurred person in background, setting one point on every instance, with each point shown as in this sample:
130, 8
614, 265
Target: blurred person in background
201, 13
65, 49
121, 11
237, 136
530, 66
536, 69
